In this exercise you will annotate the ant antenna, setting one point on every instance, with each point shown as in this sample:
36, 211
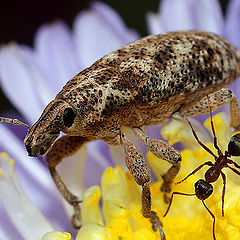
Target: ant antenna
14, 122
200, 143
213, 130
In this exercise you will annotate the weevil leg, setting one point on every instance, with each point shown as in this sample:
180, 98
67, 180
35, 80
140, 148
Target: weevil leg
137, 166
65, 147
166, 152
217, 99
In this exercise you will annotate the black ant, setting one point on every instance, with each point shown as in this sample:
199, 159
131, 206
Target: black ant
204, 188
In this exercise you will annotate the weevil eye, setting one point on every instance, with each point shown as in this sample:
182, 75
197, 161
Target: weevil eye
234, 145
68, 117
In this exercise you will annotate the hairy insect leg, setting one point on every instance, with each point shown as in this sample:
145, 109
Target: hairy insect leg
217, 99
212, 215
166, 152
65, 147
171, 199
137, 166
208, 163
223, 191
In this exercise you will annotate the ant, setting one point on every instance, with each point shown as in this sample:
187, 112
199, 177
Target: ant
204, 188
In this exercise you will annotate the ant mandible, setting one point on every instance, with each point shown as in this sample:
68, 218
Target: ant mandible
204, 188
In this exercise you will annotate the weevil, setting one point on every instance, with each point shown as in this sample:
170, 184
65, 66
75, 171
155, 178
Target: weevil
204, 188
143, 83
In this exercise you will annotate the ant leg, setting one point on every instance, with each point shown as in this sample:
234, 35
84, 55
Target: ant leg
171, 199
199, 142
223, 191
234, 170
166, 152
232, 162
138, 168
213, 131
212, 215
196, 170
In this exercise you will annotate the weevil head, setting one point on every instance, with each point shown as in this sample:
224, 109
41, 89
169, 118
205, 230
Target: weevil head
56, 117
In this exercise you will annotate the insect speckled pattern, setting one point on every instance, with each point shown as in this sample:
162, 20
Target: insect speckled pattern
143, 83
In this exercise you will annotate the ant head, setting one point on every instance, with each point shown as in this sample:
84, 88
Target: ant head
203, 189
234, 145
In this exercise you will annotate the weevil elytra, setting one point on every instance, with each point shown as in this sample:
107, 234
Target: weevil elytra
204, 188
143, 83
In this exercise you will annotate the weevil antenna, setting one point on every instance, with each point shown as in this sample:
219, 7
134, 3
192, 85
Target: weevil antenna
14, 122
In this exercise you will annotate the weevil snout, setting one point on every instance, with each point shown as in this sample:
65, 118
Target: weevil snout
39, 147
55, 118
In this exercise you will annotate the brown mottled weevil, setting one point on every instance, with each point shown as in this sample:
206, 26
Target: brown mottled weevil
204, 188
143, 83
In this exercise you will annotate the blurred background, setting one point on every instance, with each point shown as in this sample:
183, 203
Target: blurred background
19, 20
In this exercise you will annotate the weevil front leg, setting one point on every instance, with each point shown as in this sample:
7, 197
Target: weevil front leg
137, 166
65, 147
217, 99
166, 152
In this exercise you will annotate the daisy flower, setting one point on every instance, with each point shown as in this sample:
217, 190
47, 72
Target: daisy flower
39, 73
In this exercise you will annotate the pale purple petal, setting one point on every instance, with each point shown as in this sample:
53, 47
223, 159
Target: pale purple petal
175, 15
35, 179
232, 26
43, 89
112, 18
55, 53
209, 16
98, 159
17, 204
7, 229
153, 23
96, 34
17, 81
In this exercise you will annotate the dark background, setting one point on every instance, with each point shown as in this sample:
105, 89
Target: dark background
19, 19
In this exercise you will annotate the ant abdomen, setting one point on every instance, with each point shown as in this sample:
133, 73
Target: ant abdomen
203, 189
234, 145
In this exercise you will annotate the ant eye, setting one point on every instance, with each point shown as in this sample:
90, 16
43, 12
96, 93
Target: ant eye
68, 117
203, 189
234, 145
